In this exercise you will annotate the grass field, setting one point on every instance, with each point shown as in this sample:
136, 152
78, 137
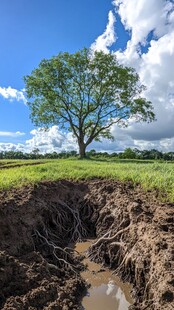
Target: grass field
150, 175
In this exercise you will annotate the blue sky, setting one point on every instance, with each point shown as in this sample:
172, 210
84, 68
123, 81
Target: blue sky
37, 29
31, 30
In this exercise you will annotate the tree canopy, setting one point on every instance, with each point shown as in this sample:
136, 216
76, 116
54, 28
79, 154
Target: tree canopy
86, 93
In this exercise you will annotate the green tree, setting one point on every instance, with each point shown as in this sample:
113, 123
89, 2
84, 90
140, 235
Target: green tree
129, 153
85, 93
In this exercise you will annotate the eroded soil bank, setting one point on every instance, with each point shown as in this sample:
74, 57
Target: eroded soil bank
134, 236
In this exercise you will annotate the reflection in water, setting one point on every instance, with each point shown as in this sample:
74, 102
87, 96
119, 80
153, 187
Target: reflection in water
110, 288
107, 292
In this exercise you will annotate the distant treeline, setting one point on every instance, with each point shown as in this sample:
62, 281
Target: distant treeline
128, 153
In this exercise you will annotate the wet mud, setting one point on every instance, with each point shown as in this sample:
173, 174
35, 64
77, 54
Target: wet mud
133, 231
105, 291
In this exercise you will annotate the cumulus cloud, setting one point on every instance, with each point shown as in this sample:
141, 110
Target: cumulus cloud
125, 139
106, 39
51, 140
12, 94
6, 147
141, 17
150, 51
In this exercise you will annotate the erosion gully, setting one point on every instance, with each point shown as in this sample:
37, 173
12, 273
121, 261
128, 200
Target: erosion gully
133, 237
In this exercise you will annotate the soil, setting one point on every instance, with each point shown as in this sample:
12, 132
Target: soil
9, 165
134, 236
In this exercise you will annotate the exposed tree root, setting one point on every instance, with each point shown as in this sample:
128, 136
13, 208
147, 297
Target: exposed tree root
62, 258
63, 221
69, 221
110, 239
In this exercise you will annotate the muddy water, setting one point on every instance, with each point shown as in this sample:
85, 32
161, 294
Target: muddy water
106, 290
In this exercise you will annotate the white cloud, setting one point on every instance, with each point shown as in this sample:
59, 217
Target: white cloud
107, 38
141, 17
150, 51
51, 140
12, 94
6, 147
124, 140
11, 134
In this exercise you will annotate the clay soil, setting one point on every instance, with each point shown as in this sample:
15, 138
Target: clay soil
134, 237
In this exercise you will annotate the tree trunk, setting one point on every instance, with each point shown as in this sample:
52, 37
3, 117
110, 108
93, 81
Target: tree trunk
82, 149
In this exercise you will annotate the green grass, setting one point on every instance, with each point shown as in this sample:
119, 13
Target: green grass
150, 175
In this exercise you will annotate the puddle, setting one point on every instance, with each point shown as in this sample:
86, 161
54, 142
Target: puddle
106, 291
